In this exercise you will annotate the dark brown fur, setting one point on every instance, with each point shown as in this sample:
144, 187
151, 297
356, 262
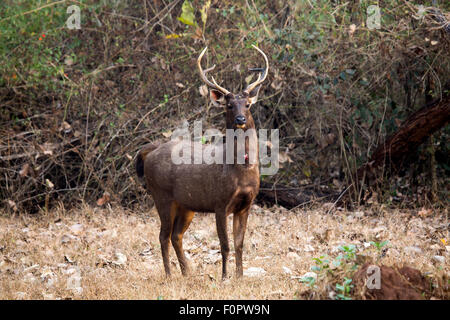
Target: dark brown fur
141, 156
180, 190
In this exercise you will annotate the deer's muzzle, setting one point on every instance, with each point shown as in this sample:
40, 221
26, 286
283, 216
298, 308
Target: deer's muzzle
240, 121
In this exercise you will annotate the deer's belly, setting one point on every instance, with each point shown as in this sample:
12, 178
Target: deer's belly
200, 196
208, 197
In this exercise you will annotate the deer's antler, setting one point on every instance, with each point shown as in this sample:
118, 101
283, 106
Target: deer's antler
203, 73
262, 75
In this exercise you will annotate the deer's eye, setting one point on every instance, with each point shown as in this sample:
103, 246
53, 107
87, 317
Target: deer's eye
229, 106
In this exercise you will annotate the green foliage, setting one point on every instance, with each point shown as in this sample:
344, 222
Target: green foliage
187, 17
337, 270
187, 14
35, 43
26, 37
322, 263
309, 281
349, 251
344, 289
379, 245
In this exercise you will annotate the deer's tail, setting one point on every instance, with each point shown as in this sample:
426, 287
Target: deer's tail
141, 157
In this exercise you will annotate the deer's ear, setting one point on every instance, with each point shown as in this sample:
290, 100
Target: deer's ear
217, 98
253, 95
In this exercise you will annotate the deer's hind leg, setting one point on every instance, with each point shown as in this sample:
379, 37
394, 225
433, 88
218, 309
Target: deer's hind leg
167, 211
182, 221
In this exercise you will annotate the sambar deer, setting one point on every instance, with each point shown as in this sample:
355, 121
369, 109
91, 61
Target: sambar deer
179, 190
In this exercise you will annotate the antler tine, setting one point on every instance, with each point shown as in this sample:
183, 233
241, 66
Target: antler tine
262, 76
214, 81
204, 72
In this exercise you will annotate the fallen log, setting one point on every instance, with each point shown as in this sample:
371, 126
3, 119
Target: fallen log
289, 197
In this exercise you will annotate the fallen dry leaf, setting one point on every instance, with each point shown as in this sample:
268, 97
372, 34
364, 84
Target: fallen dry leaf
49, 184
12, 205
119, 259
203, 90
66, 127
424, 212
104, 199
254, 272
284, 157
351, 30
25, 169
76, 228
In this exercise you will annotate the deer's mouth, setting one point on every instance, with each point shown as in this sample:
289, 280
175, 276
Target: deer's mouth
240, 126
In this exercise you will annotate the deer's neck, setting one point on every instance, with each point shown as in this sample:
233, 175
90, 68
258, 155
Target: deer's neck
246, 149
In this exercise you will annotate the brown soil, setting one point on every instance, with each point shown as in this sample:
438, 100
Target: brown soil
404, 283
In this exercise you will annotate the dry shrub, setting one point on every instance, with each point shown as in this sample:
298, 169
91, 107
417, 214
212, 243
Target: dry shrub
335, 90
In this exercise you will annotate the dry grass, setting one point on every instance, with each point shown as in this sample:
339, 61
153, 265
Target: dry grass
40, 255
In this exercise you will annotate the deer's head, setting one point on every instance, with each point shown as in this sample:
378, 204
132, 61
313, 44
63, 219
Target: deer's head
237, 106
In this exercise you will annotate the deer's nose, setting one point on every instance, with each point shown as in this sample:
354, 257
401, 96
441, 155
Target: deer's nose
240, 120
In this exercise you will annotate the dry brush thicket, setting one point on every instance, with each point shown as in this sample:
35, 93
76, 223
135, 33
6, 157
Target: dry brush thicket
71, 124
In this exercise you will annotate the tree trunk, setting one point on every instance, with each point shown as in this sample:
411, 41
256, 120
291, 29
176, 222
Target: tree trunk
413, 132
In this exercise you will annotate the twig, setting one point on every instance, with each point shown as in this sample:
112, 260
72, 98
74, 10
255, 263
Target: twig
339, 198
159, 106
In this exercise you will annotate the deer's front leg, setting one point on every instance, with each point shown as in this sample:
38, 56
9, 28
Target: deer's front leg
239, 226
221, 223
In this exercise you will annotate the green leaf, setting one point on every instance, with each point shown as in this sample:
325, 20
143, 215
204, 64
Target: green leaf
187, 14
204, 10
347, 281
315, 268
384, 243
307, 172
309, 280
337, 262
343, 297
364, 82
